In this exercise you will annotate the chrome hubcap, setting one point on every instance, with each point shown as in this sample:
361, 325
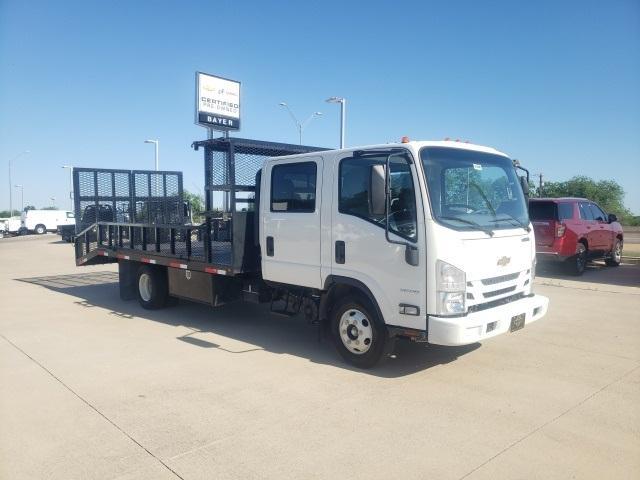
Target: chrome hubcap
355, 331
144, 286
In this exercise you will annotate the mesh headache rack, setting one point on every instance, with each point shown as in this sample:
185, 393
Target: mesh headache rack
126, 214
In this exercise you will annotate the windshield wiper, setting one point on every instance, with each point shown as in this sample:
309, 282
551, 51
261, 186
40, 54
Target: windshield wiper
486, 230
513, 219
484, 197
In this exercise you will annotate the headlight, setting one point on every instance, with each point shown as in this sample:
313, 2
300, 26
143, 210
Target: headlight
451, 286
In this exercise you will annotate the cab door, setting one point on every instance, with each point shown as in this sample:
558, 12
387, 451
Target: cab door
290, 228
360, 248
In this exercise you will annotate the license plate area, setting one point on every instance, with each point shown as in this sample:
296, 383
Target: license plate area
517, 322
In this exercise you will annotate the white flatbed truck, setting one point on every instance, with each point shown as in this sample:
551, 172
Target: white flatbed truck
426, 241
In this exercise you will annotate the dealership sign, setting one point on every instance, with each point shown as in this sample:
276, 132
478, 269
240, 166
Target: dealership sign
217, 102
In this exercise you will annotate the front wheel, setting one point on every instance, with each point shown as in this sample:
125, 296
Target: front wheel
616, 255
359, 334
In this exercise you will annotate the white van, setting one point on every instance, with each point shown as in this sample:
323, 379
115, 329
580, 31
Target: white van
42, 221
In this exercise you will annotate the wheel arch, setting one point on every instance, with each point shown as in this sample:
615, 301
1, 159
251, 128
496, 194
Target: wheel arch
337, 286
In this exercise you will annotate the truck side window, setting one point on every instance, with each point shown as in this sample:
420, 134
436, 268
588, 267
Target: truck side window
597, 213
565, 211
355, 193
585, 211
293, 187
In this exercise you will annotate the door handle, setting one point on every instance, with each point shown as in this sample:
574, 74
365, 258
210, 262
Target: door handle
340, 252
270, 247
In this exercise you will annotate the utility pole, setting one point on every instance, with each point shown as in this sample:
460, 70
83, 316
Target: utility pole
540, 183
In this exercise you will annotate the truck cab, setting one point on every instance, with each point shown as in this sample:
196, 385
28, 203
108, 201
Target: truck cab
425, 240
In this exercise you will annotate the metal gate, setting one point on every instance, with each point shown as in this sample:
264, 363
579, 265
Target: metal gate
230, 169
126, 196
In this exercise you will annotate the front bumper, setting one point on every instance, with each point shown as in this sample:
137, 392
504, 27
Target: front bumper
484, 324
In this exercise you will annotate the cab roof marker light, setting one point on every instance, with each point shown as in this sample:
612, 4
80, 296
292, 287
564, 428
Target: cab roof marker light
405, 139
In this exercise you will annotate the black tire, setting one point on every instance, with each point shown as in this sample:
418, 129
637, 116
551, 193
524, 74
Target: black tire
615, 257
40, 229
577, 263
367, 329
152, 287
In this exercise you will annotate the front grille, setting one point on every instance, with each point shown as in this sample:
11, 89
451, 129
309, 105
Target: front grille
496, 303
502, 291
500, 279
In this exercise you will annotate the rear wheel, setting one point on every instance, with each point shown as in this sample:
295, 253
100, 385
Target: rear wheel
153, 290
359, 334
40, 229
616, 255
578, 262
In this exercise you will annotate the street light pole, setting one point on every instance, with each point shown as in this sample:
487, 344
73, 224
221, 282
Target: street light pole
21, 187
70, 167
343, 112
155, 143
10, 184
303, 125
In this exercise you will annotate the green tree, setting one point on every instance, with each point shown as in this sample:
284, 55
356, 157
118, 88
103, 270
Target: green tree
197, 205
7, 213
606, 193
49, 208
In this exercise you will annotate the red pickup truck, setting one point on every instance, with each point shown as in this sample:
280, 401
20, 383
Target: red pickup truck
574, 231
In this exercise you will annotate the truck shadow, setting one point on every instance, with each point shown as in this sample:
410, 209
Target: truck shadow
251, 325
596, 273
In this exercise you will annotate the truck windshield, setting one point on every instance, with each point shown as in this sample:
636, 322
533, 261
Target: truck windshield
472, 190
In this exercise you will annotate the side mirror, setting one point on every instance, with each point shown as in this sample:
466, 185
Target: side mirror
525, 186
377, 194
612, 218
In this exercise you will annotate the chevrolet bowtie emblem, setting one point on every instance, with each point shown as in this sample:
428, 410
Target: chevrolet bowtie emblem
503, 261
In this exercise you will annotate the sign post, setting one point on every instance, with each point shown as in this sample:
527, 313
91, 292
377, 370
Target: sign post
217, 103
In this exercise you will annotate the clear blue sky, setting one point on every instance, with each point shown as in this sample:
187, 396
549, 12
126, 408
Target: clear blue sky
555, 84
